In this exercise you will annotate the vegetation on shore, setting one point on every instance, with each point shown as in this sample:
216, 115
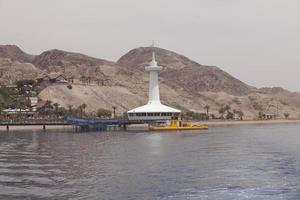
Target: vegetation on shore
17, 97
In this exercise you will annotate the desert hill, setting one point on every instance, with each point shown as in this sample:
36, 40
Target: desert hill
57, 57
184, 83
190, 75
15, 54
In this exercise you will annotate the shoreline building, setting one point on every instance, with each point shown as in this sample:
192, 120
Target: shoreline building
154, 109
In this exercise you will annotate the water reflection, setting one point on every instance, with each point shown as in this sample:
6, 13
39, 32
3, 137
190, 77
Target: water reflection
154, 142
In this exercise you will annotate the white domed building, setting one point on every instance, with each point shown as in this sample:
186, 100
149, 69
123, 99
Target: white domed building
154, 109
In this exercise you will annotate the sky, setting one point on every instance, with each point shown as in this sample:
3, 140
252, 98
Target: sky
257, 41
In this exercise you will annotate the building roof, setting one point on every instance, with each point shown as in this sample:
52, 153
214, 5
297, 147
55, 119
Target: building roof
41, 76
41, 104
16, 110
154, 108
52, 75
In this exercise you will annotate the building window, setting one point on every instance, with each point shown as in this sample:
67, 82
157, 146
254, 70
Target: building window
140, 114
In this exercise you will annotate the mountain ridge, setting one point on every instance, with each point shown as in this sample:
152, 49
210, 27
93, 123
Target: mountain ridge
15, 53
191, 75
184, 84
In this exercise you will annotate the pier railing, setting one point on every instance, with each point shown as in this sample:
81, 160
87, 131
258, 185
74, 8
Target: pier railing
33, 122
83, 124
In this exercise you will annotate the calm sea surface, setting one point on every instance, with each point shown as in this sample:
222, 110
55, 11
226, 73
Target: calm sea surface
225, 162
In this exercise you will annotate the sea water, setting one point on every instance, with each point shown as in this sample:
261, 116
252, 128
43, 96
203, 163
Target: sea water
224, 162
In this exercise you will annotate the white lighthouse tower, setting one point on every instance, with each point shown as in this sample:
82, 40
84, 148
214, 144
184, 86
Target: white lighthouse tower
154, 109
153, 70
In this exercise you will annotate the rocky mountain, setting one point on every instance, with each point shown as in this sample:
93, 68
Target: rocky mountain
272, 90
184, 83
63, 58
15, 65
12, 71
190, 75
14, 53
71, 64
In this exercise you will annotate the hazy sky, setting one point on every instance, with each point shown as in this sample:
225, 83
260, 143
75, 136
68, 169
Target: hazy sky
257, 41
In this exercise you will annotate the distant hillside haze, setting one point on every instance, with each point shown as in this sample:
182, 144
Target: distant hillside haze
184, 83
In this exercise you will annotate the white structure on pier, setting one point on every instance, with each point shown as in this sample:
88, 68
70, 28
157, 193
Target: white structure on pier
154, 109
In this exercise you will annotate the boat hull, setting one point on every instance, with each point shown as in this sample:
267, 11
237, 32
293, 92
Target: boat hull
169, 128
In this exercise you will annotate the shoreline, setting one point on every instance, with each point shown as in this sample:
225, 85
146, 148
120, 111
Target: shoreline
35, 128
144, 127
246, 122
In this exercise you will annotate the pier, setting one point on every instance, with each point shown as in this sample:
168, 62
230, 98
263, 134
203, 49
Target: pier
78, 124
86, 125
42, 123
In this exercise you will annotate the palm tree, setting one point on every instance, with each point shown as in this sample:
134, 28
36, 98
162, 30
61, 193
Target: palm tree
82, 108
239, 113
286, 115
114, 111
224, 109
19, 105
56, 106
48, 107
87, 80
227, 108
2, 106
261, 115
98, 81
222, 112
83, 79
207, 107
70, 108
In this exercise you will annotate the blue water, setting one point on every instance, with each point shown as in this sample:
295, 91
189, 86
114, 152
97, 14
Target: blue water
225, 162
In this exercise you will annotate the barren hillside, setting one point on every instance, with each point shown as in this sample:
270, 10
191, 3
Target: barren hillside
12, 71
184, 84
189, 74
15, 54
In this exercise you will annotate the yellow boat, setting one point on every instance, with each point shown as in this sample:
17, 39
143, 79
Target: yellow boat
178, 125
